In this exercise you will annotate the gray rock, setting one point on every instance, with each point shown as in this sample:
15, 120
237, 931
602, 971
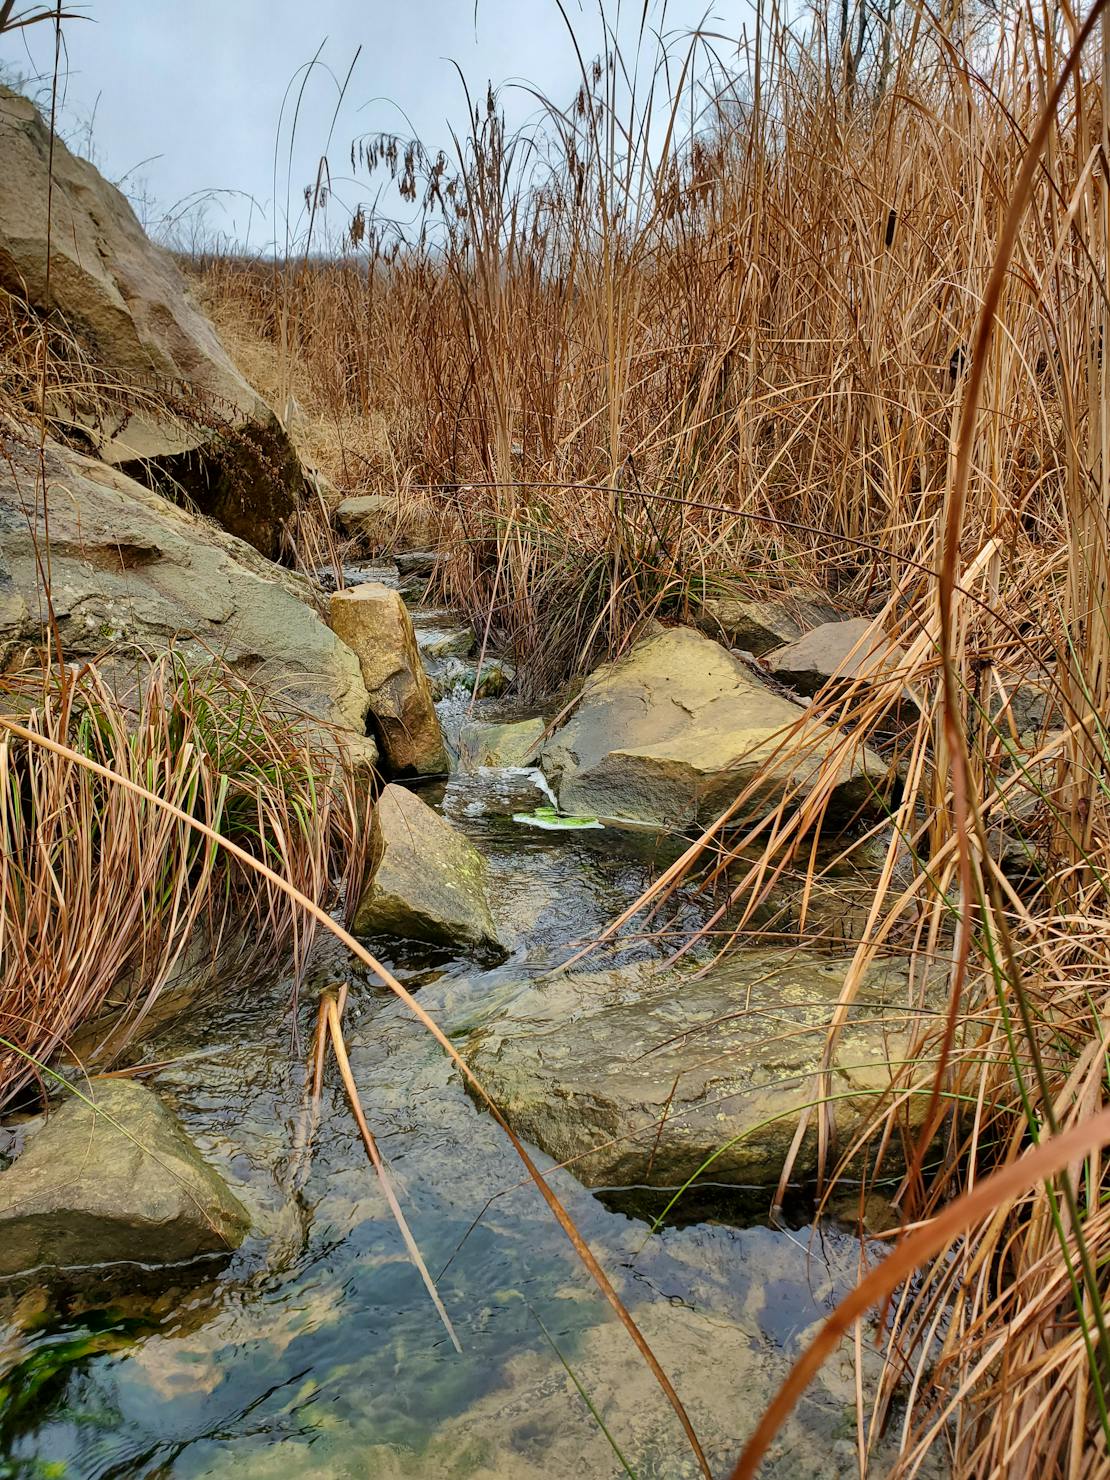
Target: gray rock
641, 1078
847, 649
427, 882
759, 626
483, 743
127, 304
129, 567
673, 732
375, 623
117, 1179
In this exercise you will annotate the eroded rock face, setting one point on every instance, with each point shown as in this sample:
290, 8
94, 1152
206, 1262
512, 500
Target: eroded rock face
849, 650
672, 733
127, 304
128, 567
112, 1180
759, 626
640, 1079
427, 882
374, 622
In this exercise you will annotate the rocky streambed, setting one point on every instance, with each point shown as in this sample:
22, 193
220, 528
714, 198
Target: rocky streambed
312, 1348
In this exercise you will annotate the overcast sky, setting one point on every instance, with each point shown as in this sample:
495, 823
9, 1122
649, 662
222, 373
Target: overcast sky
185, 95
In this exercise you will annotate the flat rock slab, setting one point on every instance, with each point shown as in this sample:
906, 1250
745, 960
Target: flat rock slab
113, 1180
847, 651
427, 881
640, 1079
672, 734
374, 622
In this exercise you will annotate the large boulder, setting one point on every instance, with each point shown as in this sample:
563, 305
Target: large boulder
427, 882
757, 626
171, 406
128, 567
673, 732
113, 1177
374, 622
847, 651
639, 1079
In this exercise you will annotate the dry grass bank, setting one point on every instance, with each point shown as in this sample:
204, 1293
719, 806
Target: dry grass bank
763, 326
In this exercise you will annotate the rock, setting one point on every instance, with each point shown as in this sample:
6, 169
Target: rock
178, 409
674, 731
128, 567
438, 635
759, 626
385, 521
637, 1078
374, 622
486, 744
849, 650
427, 882
114, 1180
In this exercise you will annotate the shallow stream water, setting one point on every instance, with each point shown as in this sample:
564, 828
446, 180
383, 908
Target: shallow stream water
315, 1351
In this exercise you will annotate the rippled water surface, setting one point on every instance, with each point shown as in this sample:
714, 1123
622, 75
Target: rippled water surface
315, 1351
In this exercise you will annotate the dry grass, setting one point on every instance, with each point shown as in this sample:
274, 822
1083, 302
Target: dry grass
811, 338
102, 892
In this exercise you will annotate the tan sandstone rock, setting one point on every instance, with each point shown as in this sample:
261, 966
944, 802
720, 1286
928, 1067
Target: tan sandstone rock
374, 622
127, 304
130, 568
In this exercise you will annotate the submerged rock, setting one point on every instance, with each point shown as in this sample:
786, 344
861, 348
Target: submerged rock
374, 622
759, 626
639, 1079
114, 1180
483, 743
175, 408
672, 733
849, 650
427, 882
130, 568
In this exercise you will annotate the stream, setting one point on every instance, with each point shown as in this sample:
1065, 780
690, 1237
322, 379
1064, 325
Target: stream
314, 1350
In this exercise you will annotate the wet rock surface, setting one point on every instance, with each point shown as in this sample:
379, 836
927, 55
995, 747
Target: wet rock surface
109, 1177
635, 1078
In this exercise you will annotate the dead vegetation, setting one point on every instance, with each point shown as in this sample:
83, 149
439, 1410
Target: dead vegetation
823, 317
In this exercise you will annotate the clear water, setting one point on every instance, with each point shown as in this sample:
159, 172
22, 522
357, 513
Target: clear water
314, 1350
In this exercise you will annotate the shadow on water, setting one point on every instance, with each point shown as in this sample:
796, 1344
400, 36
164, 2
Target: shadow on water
314, 1349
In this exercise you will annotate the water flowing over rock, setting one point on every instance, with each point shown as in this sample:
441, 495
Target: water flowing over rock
639, 1079
110, 1180
849, 650
489, 744
427, 882
171, 406
674, 731
374, 622
129, 567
